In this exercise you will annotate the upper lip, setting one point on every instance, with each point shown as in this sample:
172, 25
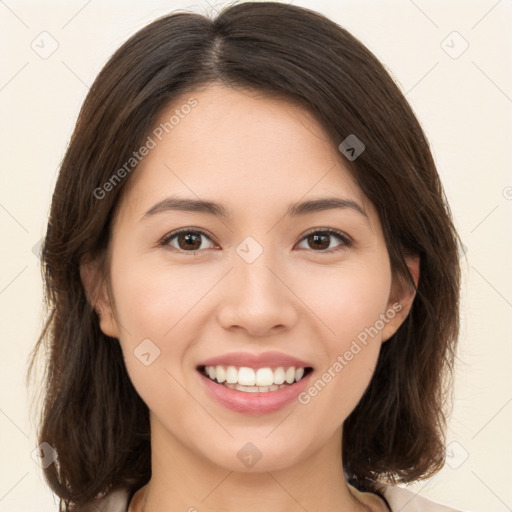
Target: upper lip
265, 359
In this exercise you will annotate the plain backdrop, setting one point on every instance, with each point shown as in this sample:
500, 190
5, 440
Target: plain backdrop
450, 58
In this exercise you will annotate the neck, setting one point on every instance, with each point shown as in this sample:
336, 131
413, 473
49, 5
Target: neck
184, 480
359, 503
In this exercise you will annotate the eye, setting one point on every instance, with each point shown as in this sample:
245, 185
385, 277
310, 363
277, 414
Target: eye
188, 240
320, 239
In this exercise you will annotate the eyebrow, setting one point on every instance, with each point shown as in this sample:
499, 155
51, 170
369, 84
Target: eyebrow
173, 203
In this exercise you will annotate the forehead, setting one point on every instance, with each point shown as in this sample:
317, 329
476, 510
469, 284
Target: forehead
243, 149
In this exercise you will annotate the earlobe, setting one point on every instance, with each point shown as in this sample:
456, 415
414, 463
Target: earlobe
401, 300
96, 292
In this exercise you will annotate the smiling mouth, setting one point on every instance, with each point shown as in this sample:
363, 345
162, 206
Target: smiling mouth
247, 380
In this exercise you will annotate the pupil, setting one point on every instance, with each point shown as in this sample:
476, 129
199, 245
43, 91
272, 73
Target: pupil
317, 238
189, 240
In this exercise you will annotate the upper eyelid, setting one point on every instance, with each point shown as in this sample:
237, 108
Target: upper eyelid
176, 232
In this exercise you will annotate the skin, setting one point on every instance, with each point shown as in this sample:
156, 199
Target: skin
255, 155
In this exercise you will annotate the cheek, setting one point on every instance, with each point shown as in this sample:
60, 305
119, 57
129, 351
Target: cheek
153, 310
151, 298
348, 306
149, 305
160, 304
348, 299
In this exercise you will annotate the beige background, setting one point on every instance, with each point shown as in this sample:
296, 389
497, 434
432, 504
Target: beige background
464, 103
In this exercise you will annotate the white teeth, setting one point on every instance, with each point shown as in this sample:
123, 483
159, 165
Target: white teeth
290, 375
254, 389
248, 389
231, 375
279, 375
246, 376
220, 374
263, 378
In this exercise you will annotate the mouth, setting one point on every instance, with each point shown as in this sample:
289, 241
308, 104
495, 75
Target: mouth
255, 380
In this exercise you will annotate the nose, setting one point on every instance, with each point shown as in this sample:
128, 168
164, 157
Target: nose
257, 297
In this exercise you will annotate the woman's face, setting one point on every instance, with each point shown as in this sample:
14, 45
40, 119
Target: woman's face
257, 280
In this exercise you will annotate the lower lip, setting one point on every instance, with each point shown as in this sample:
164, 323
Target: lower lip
254, 403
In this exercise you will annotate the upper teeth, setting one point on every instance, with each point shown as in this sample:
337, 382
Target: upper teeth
249, 377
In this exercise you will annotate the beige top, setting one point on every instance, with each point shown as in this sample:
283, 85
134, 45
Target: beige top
400, 499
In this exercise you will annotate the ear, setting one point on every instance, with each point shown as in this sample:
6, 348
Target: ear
97, 295
401, 298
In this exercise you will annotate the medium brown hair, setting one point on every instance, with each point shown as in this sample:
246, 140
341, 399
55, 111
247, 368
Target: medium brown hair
92, 415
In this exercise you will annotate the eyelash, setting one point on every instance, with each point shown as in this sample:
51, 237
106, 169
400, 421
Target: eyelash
346, 241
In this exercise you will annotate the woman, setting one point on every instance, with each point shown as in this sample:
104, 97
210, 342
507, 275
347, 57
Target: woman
252, 274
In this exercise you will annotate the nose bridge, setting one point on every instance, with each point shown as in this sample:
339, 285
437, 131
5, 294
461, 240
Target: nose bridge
255, 268
256, 297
